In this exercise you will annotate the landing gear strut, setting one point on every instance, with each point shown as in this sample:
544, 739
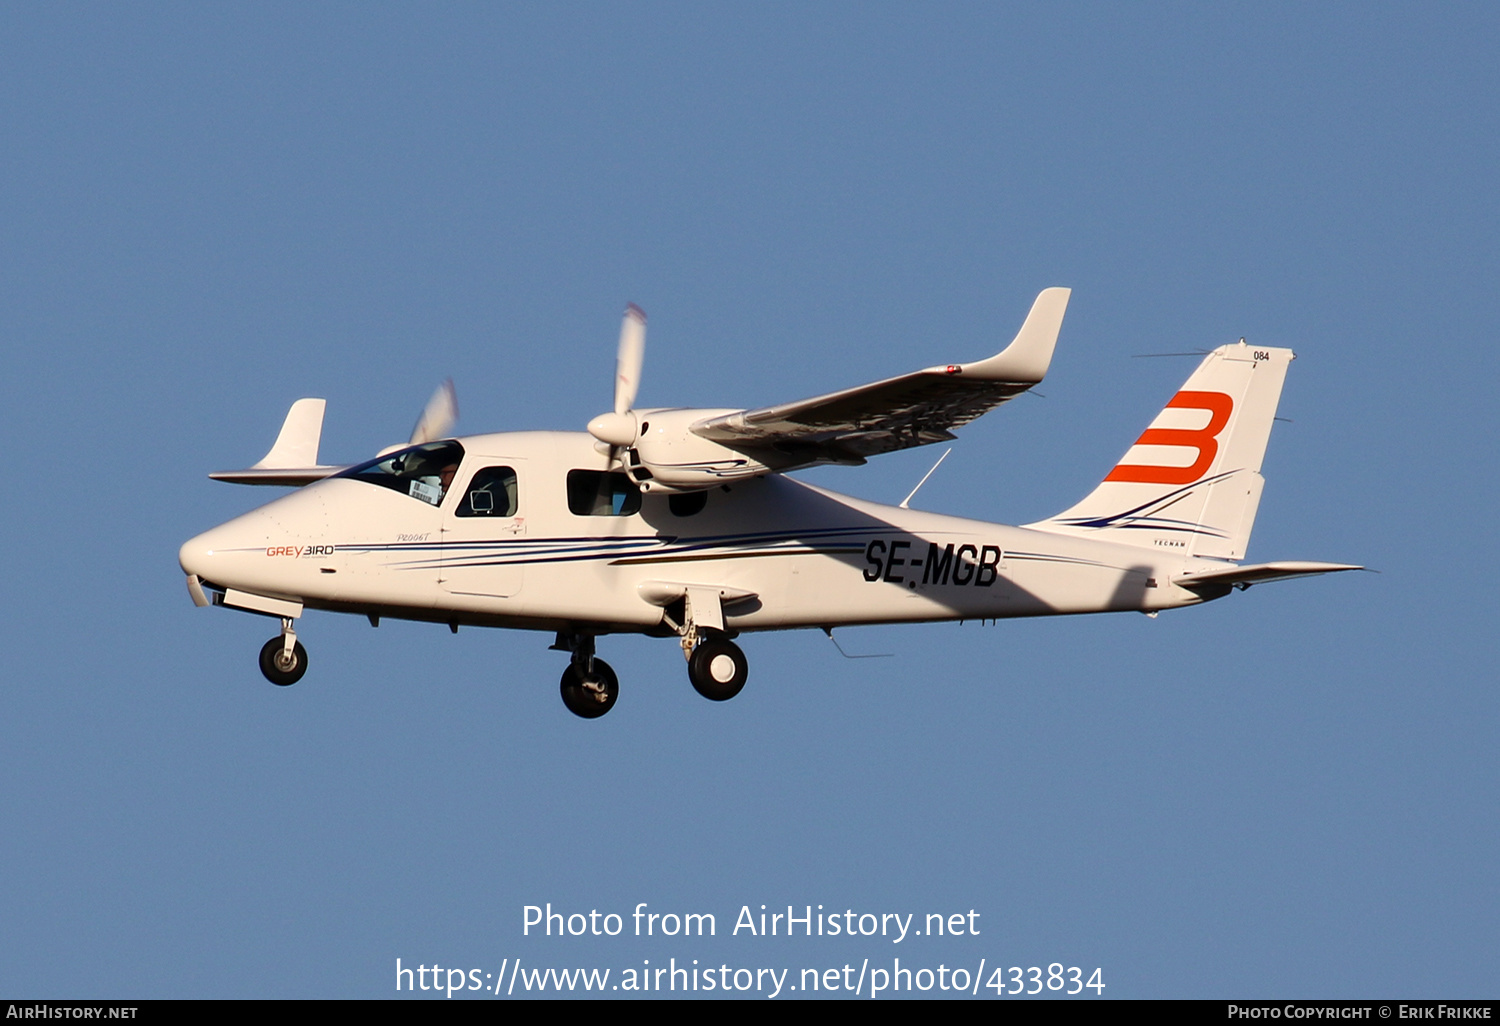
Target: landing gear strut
283, 660
589, 686
716, 666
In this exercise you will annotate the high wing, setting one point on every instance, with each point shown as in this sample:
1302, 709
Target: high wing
897, 413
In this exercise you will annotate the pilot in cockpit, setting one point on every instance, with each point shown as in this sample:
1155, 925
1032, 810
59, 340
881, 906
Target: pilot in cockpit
431, 484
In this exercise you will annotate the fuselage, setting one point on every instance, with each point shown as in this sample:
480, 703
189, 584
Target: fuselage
538, 530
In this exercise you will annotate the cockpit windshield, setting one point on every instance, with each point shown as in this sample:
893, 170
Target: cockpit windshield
424, 471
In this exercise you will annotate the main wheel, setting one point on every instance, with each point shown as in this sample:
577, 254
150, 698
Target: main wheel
592, 696
278, 669
718, 669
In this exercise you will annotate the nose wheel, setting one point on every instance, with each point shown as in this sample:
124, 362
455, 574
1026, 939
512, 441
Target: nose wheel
590, 694
283, 660
718, 669
589, 686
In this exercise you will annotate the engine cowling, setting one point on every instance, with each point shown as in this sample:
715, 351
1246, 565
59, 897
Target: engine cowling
666, 456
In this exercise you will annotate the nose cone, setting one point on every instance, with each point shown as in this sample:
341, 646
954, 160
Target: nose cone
240, 553
196, 555
212, 554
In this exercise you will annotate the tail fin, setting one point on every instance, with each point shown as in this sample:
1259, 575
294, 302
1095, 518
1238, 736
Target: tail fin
1191, 483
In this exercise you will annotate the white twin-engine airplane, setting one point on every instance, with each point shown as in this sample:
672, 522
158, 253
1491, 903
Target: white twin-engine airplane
681, 522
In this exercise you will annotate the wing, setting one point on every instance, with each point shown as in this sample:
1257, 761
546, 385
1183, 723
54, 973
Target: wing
902, 412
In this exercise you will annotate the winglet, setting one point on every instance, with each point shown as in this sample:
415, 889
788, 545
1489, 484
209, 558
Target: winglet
293, 460
1030, 353
297, 445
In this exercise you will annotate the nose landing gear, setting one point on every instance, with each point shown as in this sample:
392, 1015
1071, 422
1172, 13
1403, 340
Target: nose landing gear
590, 695
589, 686
283, 660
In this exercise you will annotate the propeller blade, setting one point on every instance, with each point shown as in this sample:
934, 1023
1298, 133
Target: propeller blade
438, 418
632, 354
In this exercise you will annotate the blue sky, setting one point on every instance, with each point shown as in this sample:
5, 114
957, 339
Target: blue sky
207, 213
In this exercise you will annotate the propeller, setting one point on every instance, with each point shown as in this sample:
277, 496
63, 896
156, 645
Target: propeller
438, 418
617, 430
436, 421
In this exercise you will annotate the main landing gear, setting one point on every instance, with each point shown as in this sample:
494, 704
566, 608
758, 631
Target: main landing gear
589, 686
717, 668
283, 659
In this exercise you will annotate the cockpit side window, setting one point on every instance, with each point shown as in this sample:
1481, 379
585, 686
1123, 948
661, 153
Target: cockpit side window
602, 493
491, 493
423, 472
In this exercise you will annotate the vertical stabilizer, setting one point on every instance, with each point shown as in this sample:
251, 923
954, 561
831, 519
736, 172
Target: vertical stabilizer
1191, 483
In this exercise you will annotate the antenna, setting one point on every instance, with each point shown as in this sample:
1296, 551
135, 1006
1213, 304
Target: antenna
874, 655
914, 491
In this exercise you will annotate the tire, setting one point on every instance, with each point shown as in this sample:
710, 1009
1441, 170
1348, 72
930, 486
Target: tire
590, 702
718, 669
270, 659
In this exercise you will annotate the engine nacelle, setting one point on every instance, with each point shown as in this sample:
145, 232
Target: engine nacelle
668, 458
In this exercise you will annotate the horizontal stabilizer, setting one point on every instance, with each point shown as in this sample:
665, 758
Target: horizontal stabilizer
293, 460
1259, 573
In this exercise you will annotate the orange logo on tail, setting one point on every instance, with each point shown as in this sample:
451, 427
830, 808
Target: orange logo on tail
1204, 439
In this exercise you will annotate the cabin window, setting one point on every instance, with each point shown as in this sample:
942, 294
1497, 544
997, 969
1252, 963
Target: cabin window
423, 472
602, 493
491, 493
